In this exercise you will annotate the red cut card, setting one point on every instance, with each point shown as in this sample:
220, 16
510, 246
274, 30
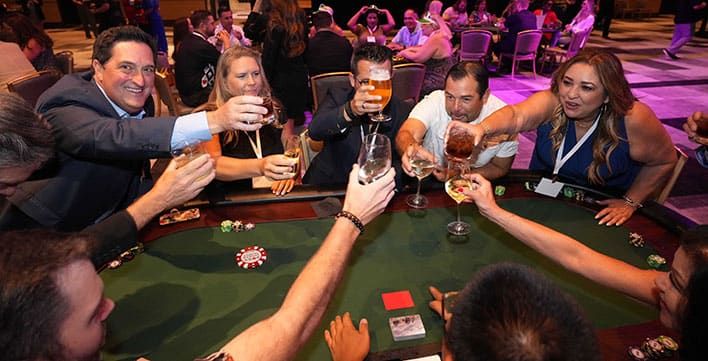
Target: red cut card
397, 300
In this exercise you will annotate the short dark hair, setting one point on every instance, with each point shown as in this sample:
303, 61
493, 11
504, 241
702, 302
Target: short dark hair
32, 307
321, 19
372, 52
695, 243
103, 47
695, 316
25, 138
511, 312
198, 17
471, 69
222, 10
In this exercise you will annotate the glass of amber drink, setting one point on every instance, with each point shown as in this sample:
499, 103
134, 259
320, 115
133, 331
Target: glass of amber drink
380, 79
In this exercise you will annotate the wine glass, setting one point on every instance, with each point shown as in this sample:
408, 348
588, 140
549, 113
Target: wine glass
422, 167
455, 185
380, 79
374, 157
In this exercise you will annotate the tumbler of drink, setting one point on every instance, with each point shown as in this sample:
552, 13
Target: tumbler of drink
459, 145
271, 115
380, 79
374, 158
186, 151
292, 151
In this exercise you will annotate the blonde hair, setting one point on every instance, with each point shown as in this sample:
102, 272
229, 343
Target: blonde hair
222, 93
620, 100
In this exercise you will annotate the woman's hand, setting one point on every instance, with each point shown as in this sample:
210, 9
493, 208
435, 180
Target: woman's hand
278, 167
616, 213
282, 187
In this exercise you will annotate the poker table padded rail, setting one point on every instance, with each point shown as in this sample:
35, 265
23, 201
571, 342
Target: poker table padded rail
185, 296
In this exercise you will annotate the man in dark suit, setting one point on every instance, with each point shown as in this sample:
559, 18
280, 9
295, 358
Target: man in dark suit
104, 136
195, 60
327, 51
342, 121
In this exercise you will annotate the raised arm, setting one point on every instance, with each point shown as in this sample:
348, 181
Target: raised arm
421, 54
351, 24
564, 250
649, 144
280, 336
390, 21
409, 140
526, 115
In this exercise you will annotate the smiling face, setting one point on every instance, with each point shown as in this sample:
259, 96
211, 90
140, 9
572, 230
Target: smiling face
409, 19
128, 76
227, 20
462, 101
372, 19
83, 331
671, 286
244, 77
580, 92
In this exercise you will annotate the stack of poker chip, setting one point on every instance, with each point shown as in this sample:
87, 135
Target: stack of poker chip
127, 256
654, 349
499, 190
251, 257
636, 239
656, 261
568, 192
530, 186
235, 226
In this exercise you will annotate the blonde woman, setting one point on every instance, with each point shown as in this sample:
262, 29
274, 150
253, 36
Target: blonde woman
435, 53
242, 155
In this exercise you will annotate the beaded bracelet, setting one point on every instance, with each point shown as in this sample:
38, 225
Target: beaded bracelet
631, 202
354, 219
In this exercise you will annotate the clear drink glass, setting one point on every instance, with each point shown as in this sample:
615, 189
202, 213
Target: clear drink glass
374, 158
422, 167
380, 79
455, 185
292, 151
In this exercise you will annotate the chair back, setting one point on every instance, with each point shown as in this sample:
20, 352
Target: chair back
539, 21
577, 42
65, 60
527, 42
407, 81
474, 44
682, 158
310, 148
322, 82
165, 93
30, 87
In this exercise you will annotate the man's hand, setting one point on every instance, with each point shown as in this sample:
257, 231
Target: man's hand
345, 342
368, 201
239, 113
179, 185
225, 38
278, 166
362, 101
415, 150
691, 127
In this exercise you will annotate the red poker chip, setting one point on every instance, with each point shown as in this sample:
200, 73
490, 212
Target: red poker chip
251, 257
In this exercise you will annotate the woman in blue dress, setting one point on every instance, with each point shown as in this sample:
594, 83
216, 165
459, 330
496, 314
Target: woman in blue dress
623, 148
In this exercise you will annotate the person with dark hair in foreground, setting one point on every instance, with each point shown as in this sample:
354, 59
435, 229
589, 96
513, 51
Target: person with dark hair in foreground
104, 132
505, 312
52, 305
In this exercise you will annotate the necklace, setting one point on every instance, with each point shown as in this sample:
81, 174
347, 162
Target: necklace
583, 125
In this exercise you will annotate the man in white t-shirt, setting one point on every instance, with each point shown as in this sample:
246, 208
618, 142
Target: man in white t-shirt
466, 98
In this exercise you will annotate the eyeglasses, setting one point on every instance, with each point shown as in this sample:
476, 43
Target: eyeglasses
362, 81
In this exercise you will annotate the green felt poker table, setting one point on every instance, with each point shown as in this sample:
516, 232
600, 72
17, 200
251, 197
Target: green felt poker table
185, 297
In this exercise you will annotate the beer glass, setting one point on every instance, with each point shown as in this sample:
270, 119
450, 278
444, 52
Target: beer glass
380, 79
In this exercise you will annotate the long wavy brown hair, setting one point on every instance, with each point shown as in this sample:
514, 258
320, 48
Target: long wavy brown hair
221, 88
609, 70
288, 15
